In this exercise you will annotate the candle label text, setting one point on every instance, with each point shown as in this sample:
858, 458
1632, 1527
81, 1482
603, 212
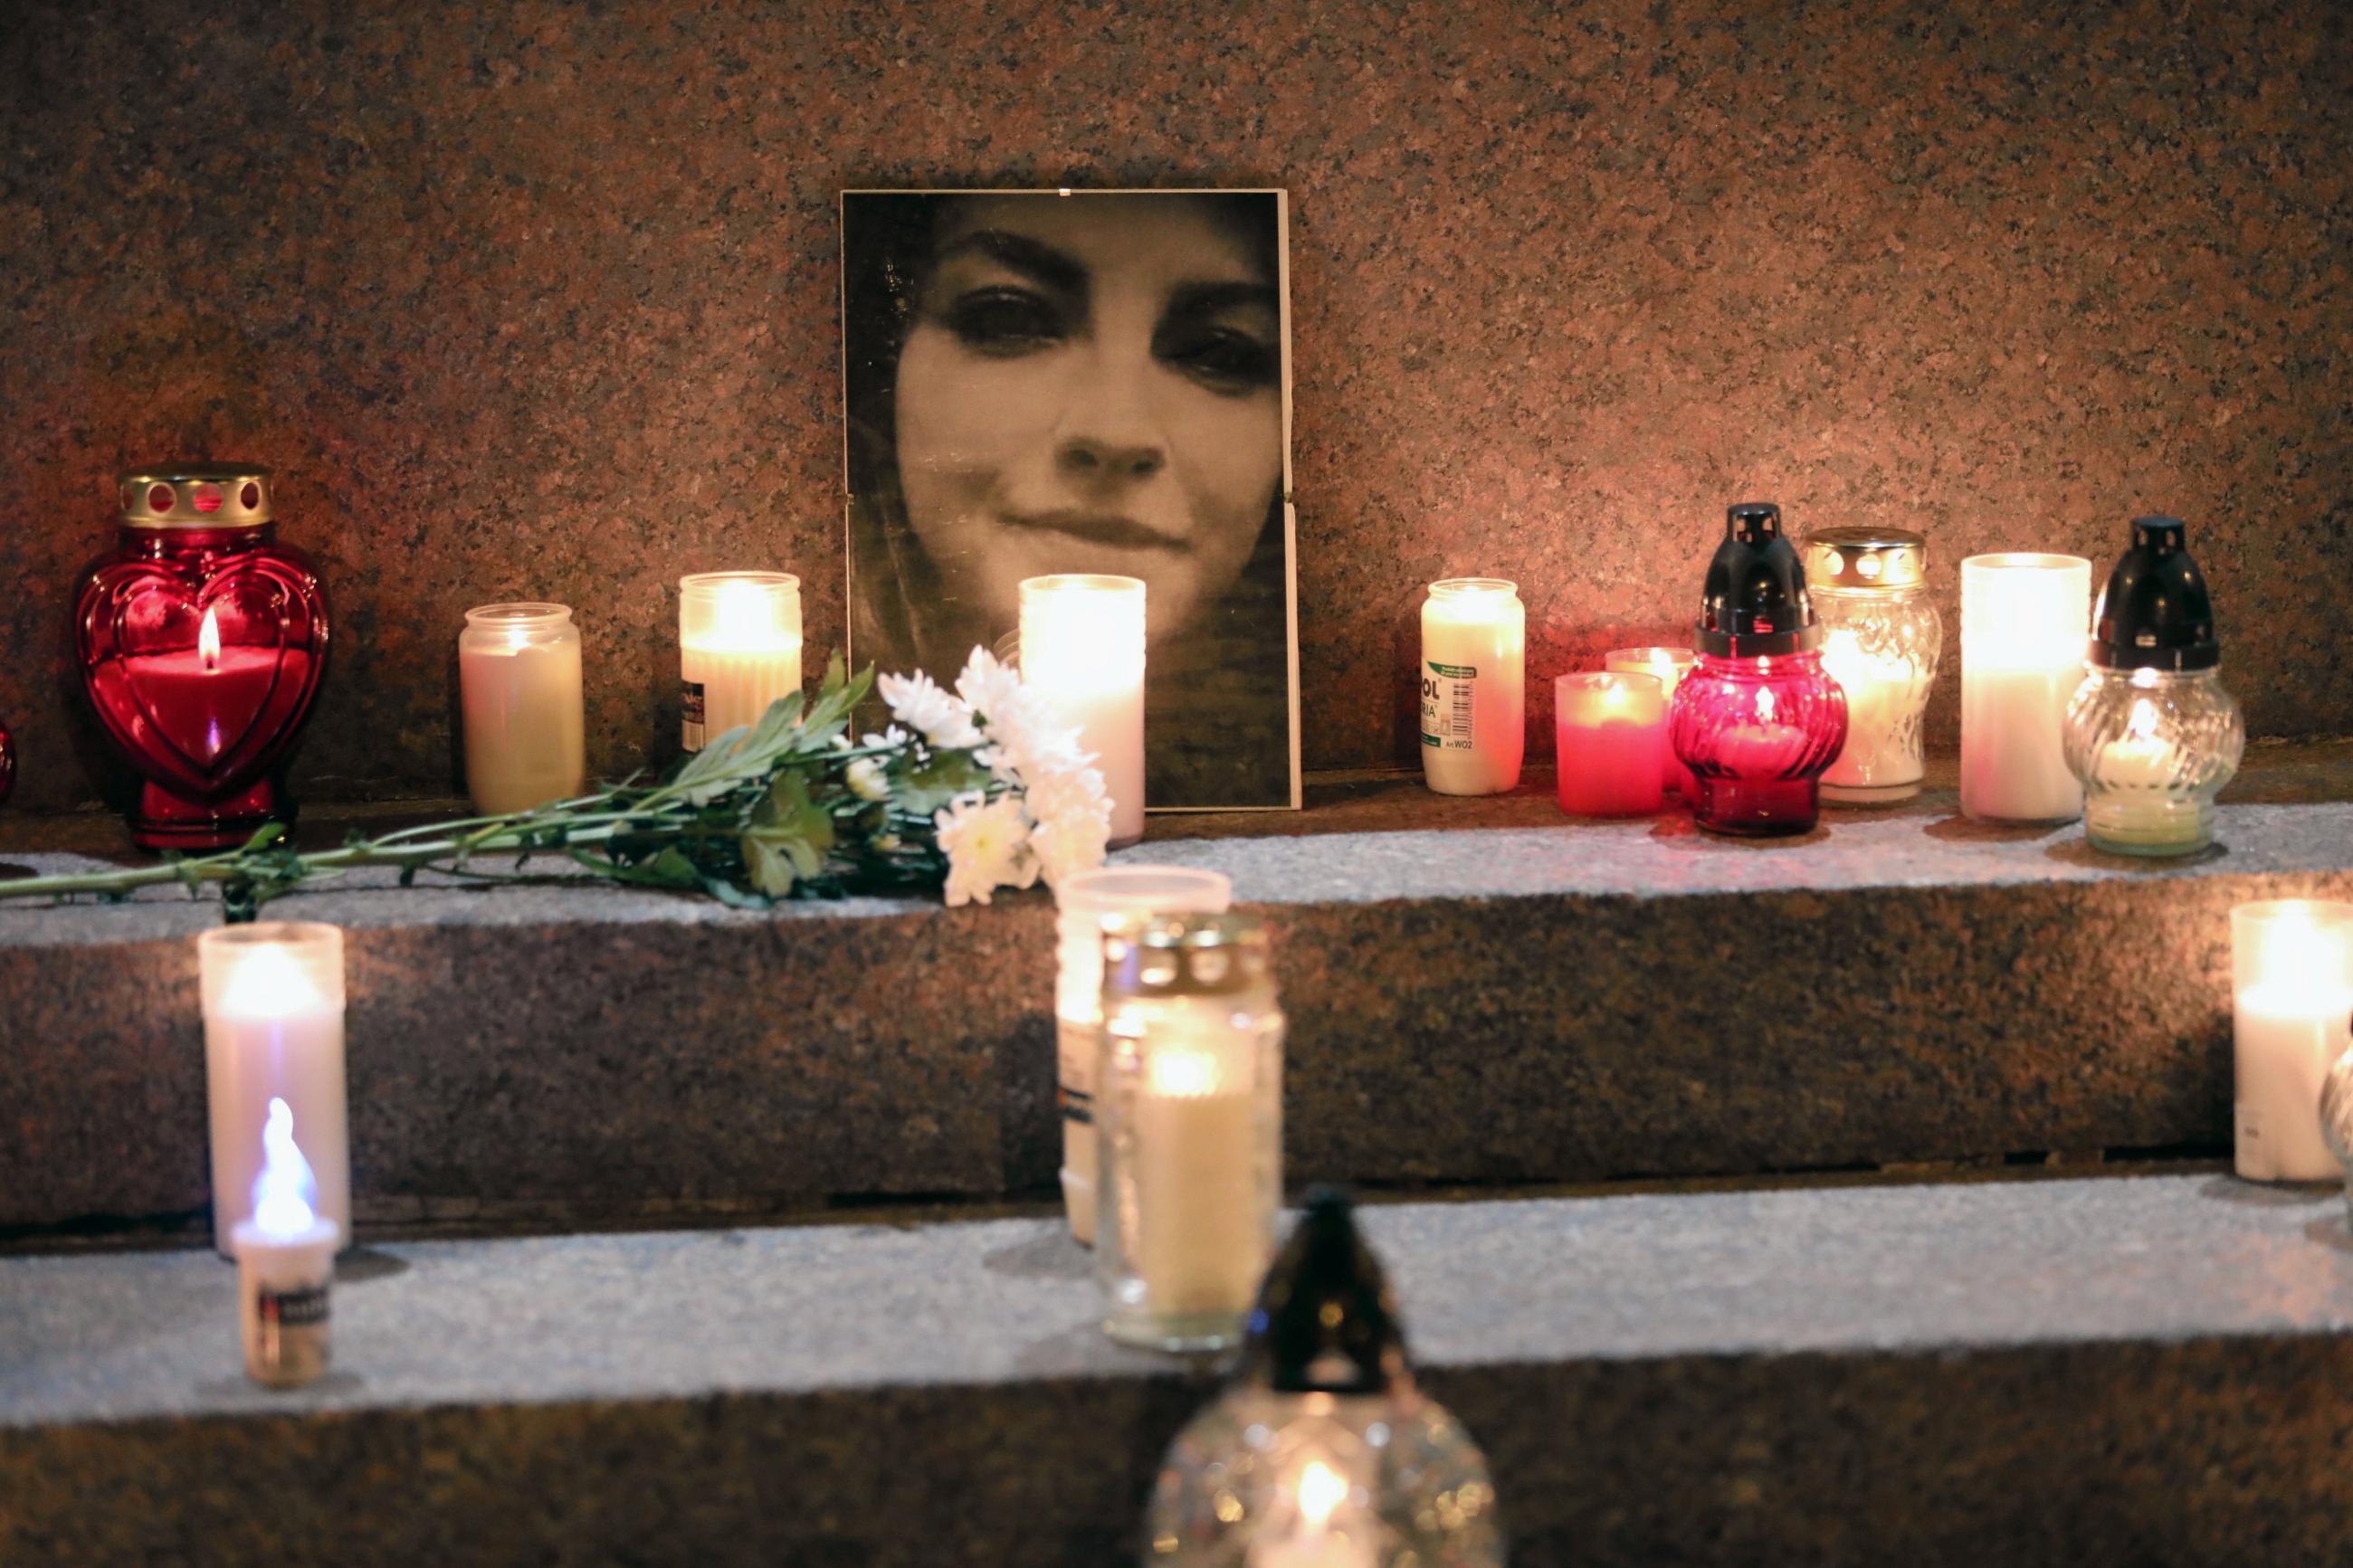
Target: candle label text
1446, 704
302, 1309
1075, 1081
689, 715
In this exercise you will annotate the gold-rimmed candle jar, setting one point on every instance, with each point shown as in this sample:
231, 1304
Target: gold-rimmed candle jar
1881, 640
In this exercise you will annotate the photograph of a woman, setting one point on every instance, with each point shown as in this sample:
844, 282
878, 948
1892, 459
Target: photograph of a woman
1044, 382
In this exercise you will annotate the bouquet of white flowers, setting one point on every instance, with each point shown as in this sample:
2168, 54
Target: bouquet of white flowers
968, 791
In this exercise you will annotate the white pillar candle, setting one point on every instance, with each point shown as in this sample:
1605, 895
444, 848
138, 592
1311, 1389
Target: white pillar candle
1669, 666
519, 691
1083, 654
1083, 900
273, 1010
739, 650
2024, 619
1200, 1232
285, 1263
1473, 686
2292, 998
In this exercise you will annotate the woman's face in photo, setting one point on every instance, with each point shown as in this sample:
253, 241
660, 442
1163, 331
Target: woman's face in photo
1091, 383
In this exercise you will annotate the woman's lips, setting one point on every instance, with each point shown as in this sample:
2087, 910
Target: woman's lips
1108, 529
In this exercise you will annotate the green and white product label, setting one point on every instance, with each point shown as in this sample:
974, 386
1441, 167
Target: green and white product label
1445, 691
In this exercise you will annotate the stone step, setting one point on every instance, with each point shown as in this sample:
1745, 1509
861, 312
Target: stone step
1480, 992
2102, 1372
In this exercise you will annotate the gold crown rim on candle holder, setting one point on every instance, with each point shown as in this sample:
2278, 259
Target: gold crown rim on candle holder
1860, 559
194, 495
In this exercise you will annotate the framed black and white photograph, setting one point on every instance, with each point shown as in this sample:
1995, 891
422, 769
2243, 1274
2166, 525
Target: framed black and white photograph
1055, 381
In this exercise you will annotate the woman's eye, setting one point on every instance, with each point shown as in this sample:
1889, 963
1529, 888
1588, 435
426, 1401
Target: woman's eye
1004, 320
1222, 358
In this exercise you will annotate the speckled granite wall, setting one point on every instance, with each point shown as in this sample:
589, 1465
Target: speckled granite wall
541, 299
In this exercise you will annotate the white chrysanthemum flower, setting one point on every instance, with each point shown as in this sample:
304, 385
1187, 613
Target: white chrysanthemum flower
986, 685
1073, 819
987, 847
917, 701
867, 780
894, 736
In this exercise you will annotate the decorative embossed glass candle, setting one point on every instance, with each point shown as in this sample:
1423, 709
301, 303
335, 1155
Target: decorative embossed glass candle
739, 650
1189, 1129
2023, 616
1758, 721
1669, 666
202, 640
1474, 637
1083, 900
2150, 732
2291, 1018
519, 689
273, 1010
1880, 639
1083, 654
1610, 730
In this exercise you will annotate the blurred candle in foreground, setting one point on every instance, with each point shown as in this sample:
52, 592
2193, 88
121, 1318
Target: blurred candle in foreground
1473, 686
285, 1263
273, 1010
2292, 998
1612, 730
1083, 654
1668, 665
2024, 621
739, 650
519, 691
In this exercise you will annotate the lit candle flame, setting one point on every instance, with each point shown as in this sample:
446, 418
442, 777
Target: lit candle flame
208, 642
1174, 1073
268, 981
1322, 1489
744, 617
283, 1192
1764, 703
2142, 725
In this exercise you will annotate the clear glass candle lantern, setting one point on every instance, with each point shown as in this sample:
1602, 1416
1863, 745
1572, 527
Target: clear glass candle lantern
1759, 720
2150, 732
1082, 901
202, 642
1322, 1453
1190, 1127
2336, 1120
1880, 641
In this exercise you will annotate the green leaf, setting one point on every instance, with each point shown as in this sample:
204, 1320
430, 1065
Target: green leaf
938, 779
771, 869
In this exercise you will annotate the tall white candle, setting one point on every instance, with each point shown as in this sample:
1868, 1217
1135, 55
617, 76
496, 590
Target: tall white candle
273, 1010
2292, 995
739, 650
1083, 654
1473, 686
519, 689
1200, 1239
1083, 900
2024, 619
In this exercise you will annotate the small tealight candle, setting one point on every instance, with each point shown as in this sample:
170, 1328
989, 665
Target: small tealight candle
1324, 1531
2024, 619
1083, 654
284, 1264
739, 650
1668, 665
1473, 686
273, 1009
519, 689
1612, 730
2292, 998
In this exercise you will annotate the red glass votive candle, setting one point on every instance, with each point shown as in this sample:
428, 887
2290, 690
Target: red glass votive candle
1670, 665
1758, 734
1611, 735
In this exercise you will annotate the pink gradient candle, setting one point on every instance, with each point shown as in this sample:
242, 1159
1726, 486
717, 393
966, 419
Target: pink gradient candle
1669, 666
1611, 731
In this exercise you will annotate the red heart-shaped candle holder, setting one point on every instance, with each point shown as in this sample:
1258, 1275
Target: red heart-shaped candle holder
202, 640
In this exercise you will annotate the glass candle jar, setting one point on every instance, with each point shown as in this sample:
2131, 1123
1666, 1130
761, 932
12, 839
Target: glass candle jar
1668, 665
1083, 901
2291, 1018
2150, 733
1880, 640
1189, 1102
202, 641
2023, 616
1082, 653
2336, 1121
739, 650
1473, 686
1610, 730
519, 693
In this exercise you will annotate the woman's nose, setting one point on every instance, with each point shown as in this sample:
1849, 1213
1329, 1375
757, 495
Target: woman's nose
1106, 433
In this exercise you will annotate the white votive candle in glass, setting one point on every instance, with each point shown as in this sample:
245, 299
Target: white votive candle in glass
2024, 619
2292, 998
273, 1010
285, 1263
1083, 900
519, 693
739, 650
1474, 638
1083, 654
1669, 666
